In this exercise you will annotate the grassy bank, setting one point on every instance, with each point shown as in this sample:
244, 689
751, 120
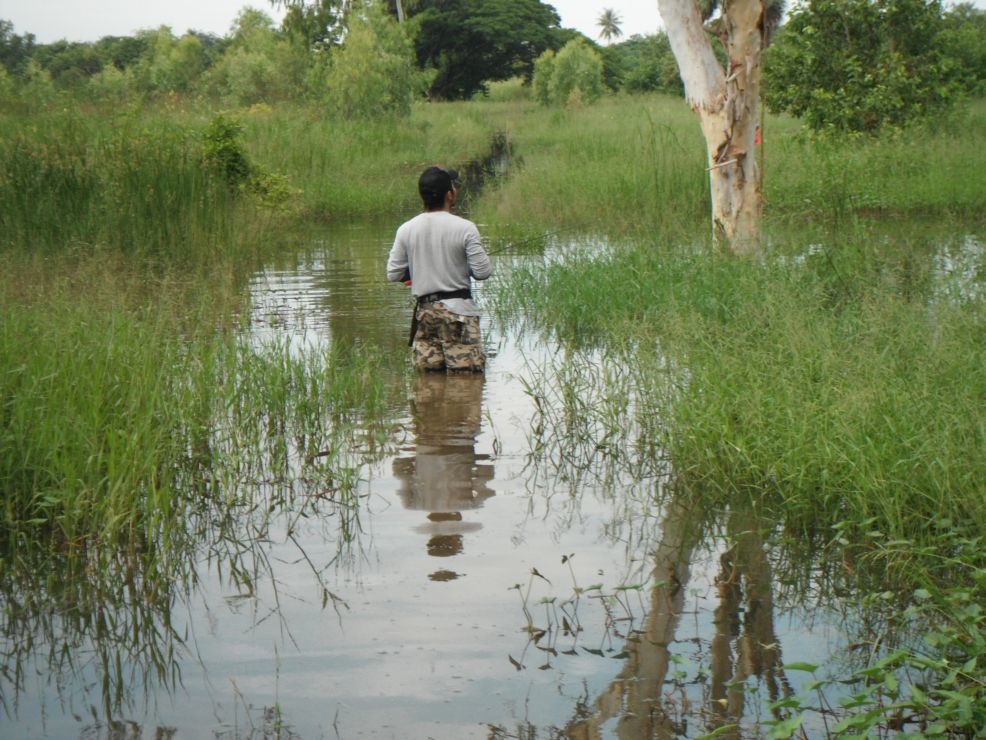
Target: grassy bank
627, 165
69, 181
357, 169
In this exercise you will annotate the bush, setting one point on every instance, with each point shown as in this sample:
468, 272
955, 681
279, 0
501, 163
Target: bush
860, 65
571, 77
374, 73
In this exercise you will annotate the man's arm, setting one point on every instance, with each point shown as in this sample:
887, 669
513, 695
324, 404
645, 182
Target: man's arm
397, 264
479, 262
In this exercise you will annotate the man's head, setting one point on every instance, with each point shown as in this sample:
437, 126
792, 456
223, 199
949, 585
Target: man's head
435, 185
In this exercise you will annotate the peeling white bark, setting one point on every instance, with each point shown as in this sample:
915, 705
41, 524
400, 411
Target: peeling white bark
727, 103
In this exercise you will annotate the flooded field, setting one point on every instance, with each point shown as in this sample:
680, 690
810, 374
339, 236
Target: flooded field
482, 584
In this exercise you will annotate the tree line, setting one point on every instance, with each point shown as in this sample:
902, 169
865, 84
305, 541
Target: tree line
842, 64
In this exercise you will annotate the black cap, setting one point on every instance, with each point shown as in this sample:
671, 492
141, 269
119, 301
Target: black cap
436, 181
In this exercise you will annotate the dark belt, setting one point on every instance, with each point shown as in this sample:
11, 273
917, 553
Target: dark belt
431, 298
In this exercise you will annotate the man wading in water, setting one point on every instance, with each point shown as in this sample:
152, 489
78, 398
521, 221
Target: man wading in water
437, 253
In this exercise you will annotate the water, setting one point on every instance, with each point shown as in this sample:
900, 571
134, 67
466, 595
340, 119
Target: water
477, 589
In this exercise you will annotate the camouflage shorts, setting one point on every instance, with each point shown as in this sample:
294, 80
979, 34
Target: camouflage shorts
447, 341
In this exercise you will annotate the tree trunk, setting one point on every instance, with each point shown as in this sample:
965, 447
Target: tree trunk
727, 103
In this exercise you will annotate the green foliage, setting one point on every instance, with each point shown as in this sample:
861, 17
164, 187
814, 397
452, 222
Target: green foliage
8, 88
933, 681
648, 65
122, 52
169, 64
609, 24
38, 89
260, 65
544, 70
14, 50
472, 42
964, 44
843, 384
572, 76
373, 73
509, 90
860, 65
111, 86
577, 74
351, 168
70, 64
625, 164
67, 180
223, 150
225, 155
316, 25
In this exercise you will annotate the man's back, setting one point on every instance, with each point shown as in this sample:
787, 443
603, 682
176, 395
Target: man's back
440, 250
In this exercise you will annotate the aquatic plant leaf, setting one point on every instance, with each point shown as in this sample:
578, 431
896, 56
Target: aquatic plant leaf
806, 667
785, 728
719, 731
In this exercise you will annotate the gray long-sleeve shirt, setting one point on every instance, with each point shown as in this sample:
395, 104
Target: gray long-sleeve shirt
442, 252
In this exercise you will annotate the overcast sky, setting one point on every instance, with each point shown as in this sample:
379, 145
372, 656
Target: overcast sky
88, 20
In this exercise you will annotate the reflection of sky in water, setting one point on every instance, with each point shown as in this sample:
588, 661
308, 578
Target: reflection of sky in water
432, 633
960, 275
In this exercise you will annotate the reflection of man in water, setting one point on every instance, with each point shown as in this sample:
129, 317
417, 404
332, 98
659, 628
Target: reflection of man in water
445, 476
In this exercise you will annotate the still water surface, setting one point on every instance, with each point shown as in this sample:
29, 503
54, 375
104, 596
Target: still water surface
476, 591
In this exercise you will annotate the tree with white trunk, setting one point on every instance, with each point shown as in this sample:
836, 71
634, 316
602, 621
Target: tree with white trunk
727, 101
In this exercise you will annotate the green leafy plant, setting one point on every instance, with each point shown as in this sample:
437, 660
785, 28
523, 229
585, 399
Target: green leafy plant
572, 76
860, 65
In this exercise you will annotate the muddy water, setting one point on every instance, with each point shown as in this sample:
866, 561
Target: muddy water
477, 590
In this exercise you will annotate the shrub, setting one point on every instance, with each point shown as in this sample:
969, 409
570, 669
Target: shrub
571, 77
374, 73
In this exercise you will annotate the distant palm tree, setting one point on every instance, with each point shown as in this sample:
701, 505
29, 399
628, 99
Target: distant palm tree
609, 25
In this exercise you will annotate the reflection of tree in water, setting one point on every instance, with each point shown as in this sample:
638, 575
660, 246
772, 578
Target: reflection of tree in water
637, 699
444, 476
598, 424
744, 617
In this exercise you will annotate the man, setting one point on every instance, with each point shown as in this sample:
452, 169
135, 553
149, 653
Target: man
438, 254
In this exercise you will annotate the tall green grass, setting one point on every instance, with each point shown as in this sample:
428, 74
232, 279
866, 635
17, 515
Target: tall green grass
117, 413
925, 170
68, 181
625, 165
637, 165
349, 169
823, 393
139, 441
